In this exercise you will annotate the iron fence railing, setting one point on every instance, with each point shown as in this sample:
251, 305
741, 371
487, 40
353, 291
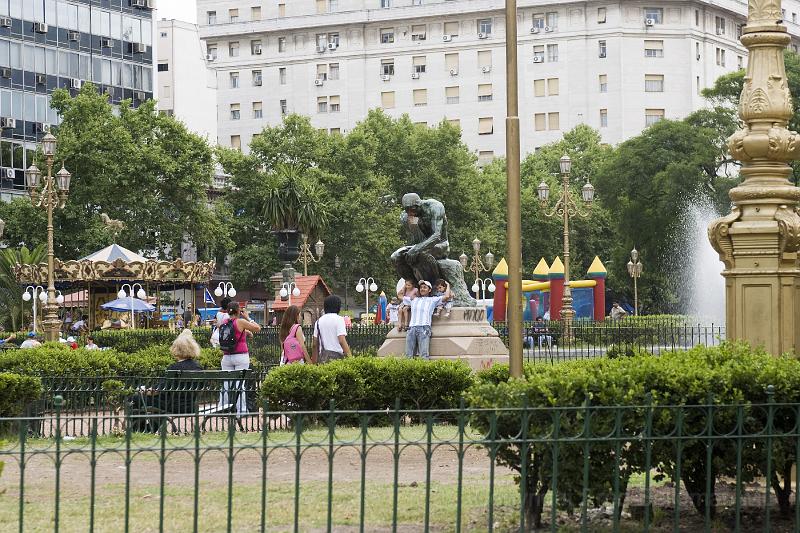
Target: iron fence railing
623, 468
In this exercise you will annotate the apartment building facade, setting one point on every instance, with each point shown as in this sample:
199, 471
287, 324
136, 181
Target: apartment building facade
50, 44
616, 66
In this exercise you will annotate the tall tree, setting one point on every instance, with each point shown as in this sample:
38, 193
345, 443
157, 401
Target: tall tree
14, 312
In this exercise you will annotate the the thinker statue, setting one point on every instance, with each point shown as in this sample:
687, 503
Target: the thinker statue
425, 257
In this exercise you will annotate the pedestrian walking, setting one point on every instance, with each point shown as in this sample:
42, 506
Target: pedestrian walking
233, 335
293, 342
330, 333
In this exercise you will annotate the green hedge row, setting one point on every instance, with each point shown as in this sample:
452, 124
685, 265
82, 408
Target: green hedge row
367, 383
16, 391
130, 341
672, 390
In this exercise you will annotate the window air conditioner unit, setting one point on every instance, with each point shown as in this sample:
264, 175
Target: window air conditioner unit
139, 48
601, 55
8, 123
320, 49
151, 4
5, 72
447, 38
548, 29
386, 77
332, 46
8, 173
257, 50
486, 69
415, 75
139, 95
74, 36
106, 43
209, 57
44, 128
319, 82
75, 83
5, 22
454, 72
40, 27
649, 22
483, 35
41, 79
535, 30
139, 3
537, 59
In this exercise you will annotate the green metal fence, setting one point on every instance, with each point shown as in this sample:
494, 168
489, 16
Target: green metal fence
583, 468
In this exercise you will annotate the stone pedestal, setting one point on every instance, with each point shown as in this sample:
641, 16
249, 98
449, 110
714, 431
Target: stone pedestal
465, 335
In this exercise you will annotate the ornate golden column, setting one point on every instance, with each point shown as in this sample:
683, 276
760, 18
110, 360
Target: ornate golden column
759, 240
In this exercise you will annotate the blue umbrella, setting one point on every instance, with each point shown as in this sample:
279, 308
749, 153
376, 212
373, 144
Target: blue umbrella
124, 304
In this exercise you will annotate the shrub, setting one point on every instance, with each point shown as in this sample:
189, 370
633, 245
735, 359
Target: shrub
16, 391
130, 341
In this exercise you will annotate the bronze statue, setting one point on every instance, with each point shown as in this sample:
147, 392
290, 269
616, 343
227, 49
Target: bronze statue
425, 257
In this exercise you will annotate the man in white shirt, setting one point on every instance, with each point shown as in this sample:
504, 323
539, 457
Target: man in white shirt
418, 337
31, 341
330, 333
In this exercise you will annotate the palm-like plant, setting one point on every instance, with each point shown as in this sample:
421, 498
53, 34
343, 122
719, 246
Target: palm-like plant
13, 311
293, 202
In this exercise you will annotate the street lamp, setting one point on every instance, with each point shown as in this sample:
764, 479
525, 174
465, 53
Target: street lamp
52, 194
366, 285
307, 256
139, 294
34, 293
483, 285
225, 289
288, 290
477, 266
566, 207
635, 270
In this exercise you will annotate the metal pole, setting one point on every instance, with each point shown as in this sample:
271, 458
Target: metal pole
513, 190
566, 301
51, 323
635, 297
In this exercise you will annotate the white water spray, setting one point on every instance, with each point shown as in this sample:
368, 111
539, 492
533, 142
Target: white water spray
706, 286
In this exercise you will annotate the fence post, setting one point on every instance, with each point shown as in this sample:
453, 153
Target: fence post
396, 465
586, 449
331, 434
768, 470
648, 452
264, 458
58, 403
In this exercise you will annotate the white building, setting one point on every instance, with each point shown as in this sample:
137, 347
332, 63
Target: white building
185, 87
616, 66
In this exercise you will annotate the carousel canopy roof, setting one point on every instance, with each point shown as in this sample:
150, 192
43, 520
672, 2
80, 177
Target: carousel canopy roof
111, 253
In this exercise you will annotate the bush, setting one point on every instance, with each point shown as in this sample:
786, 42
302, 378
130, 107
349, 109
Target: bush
674, 386
367, 383
130, 341
16, 391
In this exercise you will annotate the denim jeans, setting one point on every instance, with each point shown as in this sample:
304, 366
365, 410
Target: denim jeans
237, 361
418, 338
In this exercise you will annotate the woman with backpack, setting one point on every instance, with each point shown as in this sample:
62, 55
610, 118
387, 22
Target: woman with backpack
292, 339
233, 335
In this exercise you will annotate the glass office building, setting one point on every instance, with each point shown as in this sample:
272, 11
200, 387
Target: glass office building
50, 44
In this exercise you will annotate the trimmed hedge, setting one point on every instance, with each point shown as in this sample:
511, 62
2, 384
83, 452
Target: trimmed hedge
130, 341
367, 383
672, 389
16, 391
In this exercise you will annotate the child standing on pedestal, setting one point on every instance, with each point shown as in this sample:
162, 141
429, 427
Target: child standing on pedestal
443, 289
406, 294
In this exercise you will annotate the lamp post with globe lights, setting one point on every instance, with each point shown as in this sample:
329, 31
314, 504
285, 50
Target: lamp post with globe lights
38, 294
481, 286
288, 290
225, 289
139, 294
566, 207
478, 264
635, 271
50, 194
366, 285
307, 256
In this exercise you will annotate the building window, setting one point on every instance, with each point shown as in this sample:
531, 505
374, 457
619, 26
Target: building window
235, 112
553, 121
552, 87
282, 75
258, 112
419, 32
163, 34
654, 83
322, 71
322, 104
333, 71
552, 53
719, 24
284, 107
255, 13
696, 17
233, 15
604, 118
740, 61
233, 49
322, 6
485, 26
416, 2
333, 6
720, 57
335, 131
420, 97
654, 48
699, 90
212, 51
739, 31
451, 63
163, 67
451, 29
602, 51
418, 63
651, 116
538, 53
334, 104
603, 78
387, 35
211, 17
485, 126
551, 20
387, 67
236, 142
385, 4
538, 87
387, 100
601, 15
656, 14
697, 51
484, 92
255, 47
454, 122
281, 10
281, 44
539, 122
234, 78
485, 59
485, 157
538, 20
451, 95
257, 79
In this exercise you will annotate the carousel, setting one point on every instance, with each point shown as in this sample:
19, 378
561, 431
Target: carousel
113, 284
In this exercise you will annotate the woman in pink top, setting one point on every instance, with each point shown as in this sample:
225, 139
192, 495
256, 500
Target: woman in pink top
239, 357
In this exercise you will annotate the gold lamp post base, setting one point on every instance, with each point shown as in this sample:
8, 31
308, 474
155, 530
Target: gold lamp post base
51, 323
759, 240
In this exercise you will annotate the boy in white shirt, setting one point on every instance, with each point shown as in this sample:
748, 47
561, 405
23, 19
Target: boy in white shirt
418, 338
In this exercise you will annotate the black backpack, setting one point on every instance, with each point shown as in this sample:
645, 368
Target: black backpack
227, 336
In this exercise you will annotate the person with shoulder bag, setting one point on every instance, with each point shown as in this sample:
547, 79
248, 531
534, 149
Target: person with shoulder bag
221, 316
233, 334
330, 334
293, 341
